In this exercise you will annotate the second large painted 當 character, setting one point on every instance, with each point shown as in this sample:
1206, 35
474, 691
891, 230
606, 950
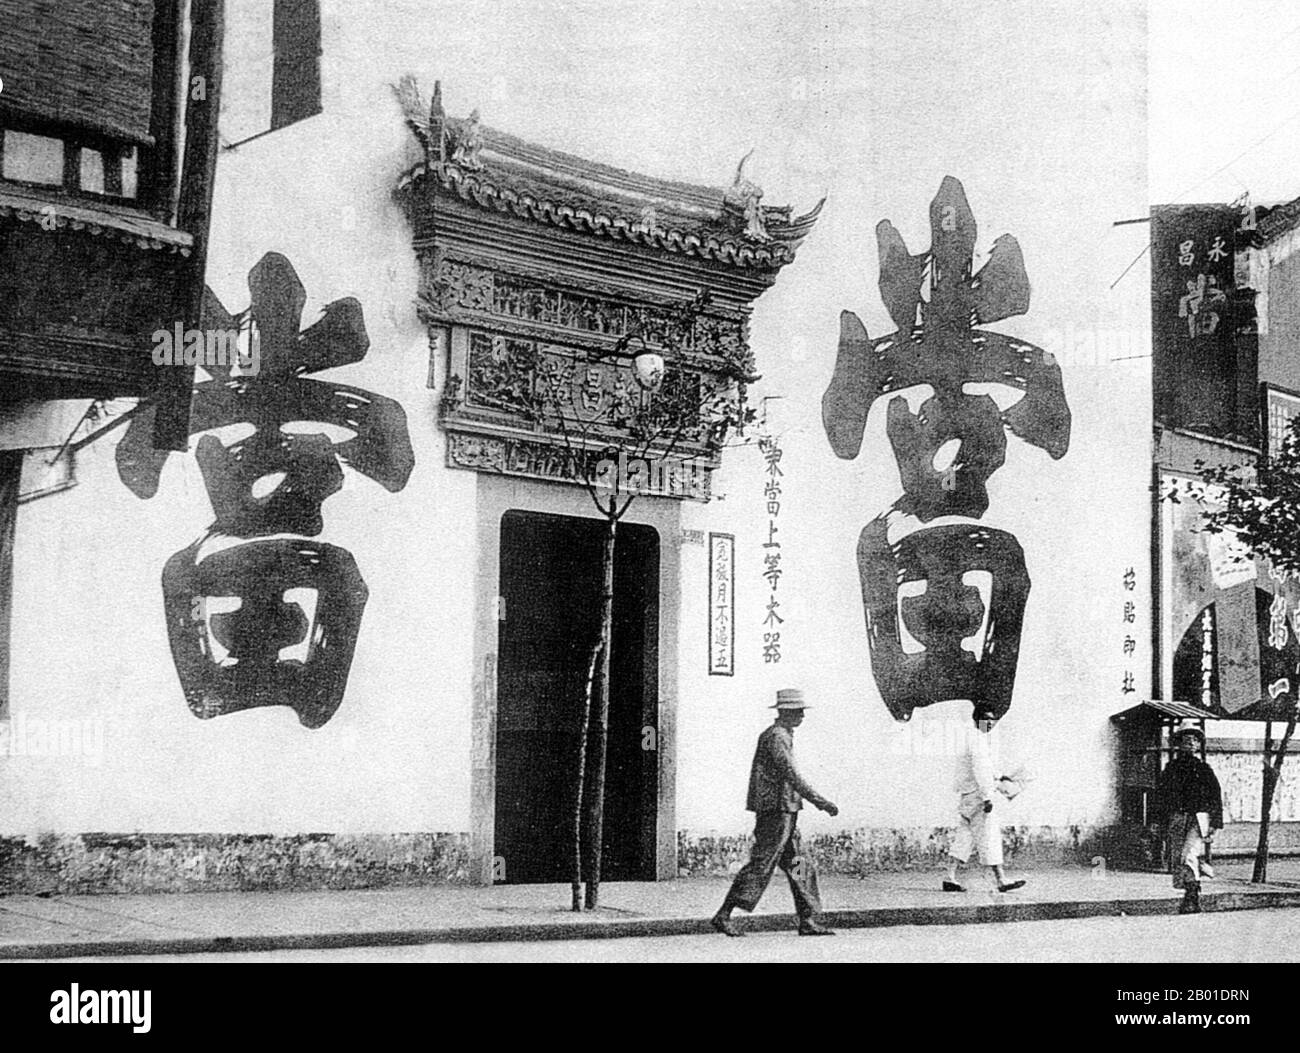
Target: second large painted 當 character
945, 603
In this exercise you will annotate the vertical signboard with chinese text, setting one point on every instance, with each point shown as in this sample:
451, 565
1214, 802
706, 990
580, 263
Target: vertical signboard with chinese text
1128, 684
722, 605
772, 549
1194, 369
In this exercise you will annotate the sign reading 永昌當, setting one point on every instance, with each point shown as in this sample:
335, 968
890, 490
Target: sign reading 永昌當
1194, 368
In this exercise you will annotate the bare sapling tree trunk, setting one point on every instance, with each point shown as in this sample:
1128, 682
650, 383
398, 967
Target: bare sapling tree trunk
1273, 760
655, 418
584, 727
595, 841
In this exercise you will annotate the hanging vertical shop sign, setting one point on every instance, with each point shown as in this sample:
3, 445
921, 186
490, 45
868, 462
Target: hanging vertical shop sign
1194, 367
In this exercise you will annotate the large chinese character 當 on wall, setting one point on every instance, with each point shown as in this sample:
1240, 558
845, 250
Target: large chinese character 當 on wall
259, 612
944, 603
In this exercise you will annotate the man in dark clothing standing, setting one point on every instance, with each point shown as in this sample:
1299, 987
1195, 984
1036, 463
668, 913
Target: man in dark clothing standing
776, 793
1188, 799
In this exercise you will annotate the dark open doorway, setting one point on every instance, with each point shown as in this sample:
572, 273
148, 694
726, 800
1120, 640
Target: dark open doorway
550, 588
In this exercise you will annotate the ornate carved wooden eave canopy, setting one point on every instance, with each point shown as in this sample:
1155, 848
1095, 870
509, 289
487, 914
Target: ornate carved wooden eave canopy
530, 254
531, 183
503, 173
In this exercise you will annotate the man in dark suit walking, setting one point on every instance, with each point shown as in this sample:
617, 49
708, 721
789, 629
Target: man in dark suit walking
1189, 799
776, 794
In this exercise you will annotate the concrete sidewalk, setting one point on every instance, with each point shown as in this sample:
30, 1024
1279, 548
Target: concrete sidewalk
67, 926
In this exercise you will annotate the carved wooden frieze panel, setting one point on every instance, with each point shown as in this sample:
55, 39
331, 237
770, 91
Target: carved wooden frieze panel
457, 290
501, 379
514, 343
681, 478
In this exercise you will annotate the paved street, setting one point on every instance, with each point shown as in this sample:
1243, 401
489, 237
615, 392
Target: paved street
258, 922
1255, 935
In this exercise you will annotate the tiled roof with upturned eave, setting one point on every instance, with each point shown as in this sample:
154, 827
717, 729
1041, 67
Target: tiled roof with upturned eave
534, 183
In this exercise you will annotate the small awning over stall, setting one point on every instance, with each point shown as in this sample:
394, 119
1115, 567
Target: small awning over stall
1176, 711
1146, 745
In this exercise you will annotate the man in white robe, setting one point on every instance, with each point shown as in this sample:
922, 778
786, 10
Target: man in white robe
979, 783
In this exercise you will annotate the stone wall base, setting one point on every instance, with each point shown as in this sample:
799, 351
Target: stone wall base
873, 849
129, 863
133, 863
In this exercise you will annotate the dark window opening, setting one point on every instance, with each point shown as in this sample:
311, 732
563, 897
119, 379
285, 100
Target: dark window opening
295, 81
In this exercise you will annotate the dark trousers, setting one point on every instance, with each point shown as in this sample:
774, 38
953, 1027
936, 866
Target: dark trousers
776, 844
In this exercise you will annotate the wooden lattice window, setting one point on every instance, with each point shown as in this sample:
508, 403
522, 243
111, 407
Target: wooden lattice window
1281, 407
91, 97
78, 164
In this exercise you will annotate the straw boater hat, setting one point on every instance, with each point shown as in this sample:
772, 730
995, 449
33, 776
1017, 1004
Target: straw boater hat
1189, 729
790, 698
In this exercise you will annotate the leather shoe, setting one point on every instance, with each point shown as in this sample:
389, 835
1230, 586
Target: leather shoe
811, 928
1011, 886
725, 925
952, 886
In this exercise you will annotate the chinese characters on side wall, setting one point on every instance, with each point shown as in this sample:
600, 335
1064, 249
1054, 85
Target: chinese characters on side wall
1129, 617
772, 548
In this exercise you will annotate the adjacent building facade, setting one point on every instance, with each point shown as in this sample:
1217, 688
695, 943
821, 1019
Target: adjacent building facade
107, 151
1223, 296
